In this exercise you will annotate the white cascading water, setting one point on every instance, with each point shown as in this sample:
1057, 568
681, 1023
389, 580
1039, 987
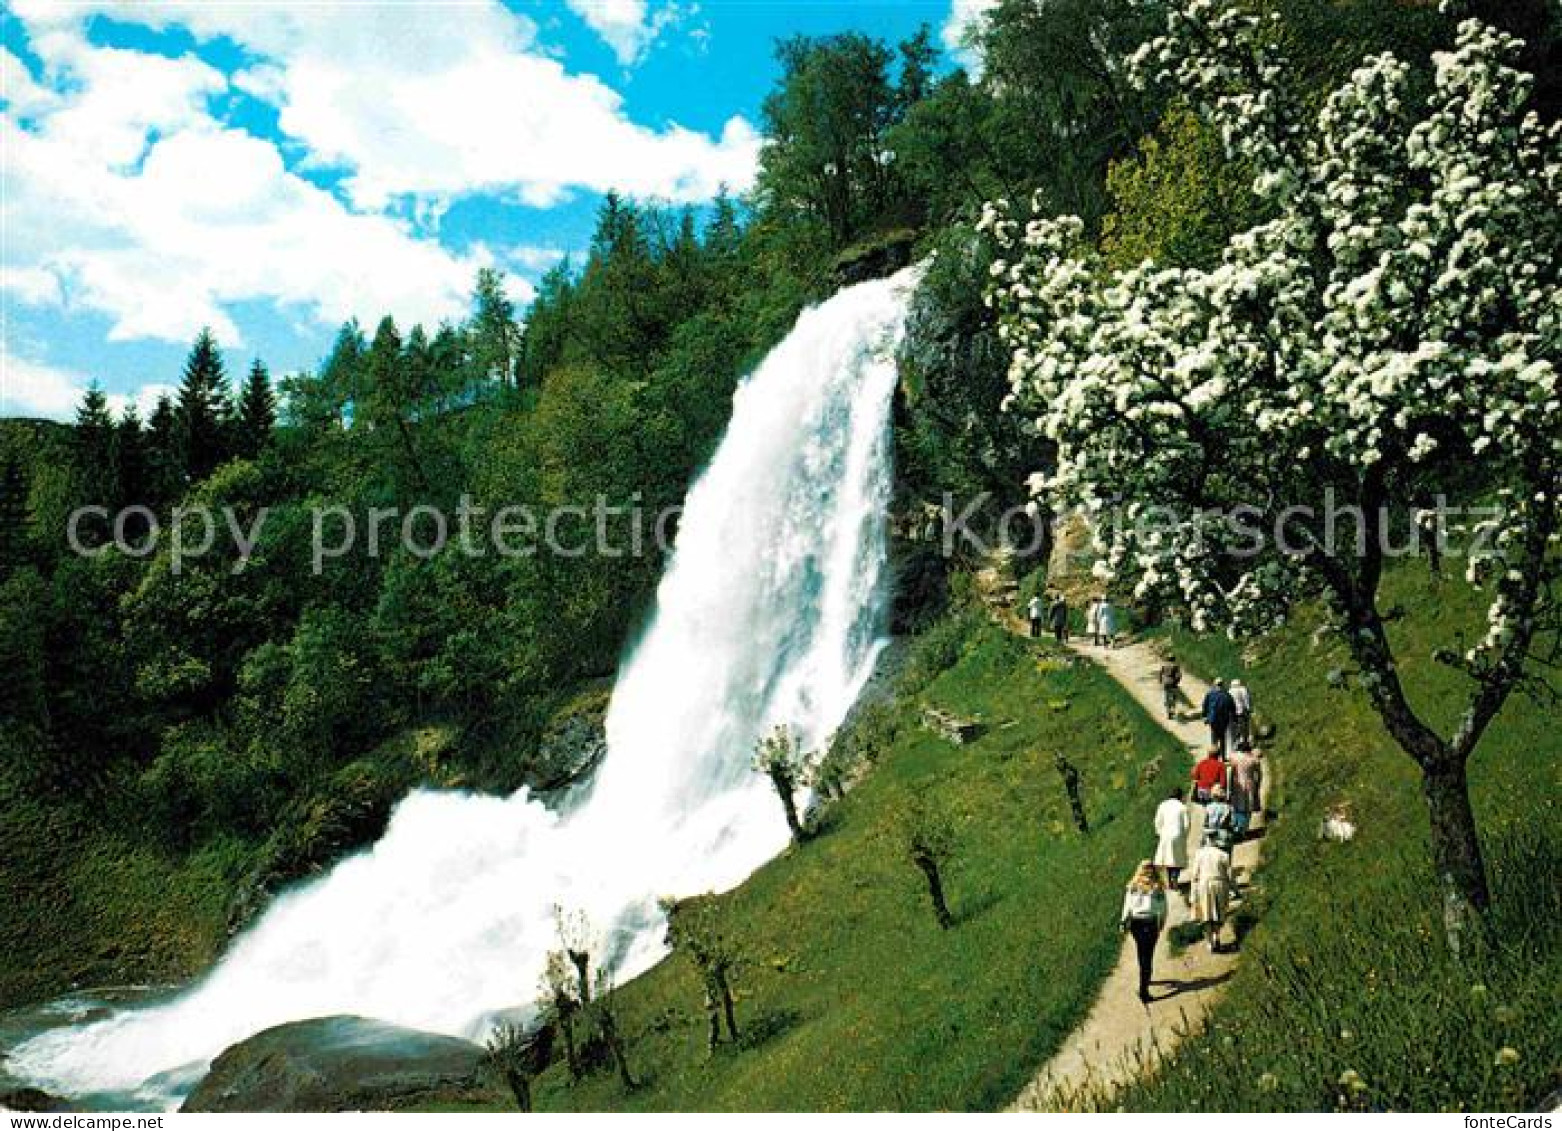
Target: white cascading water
771, 611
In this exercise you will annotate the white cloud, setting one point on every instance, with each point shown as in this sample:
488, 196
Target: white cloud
29, 388
964, 17
623, 25
33, 389
529, 257
19, 93
411, 101
125, 196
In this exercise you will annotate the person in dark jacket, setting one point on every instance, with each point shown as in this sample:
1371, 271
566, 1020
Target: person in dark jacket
1219, 710
1171, 684
1057, 616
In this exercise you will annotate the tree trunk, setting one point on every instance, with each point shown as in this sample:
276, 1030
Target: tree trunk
571, 1053
1456, 850
1076, 803
789, 803
1456, 847
935, 891
581, 960
728, 1010
520, 1088
615, 1046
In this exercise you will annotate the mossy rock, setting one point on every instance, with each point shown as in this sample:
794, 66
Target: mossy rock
339, 1064
574, 741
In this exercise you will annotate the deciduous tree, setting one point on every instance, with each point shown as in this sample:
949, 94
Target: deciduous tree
1390, 336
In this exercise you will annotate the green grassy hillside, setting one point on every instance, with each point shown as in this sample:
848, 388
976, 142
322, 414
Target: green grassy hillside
89, 905
1346, 996
856, 999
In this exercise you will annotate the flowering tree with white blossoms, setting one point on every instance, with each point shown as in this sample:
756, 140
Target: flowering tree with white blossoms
1389, 336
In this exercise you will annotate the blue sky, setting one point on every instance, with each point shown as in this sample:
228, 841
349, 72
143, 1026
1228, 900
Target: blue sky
270, 169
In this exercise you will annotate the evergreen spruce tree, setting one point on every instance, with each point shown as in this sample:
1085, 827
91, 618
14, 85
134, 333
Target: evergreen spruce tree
202, 408
13, 516
724, 231
257, 412
685, 274
495, 336
549, 323
93, 448
163, 461
131, 485
388, 407
340, 380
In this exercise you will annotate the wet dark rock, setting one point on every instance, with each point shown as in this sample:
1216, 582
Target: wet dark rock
31, 1099
875, 257
920, 582
339, 1064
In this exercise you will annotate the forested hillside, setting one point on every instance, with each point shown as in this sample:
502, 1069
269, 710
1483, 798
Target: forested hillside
181, 737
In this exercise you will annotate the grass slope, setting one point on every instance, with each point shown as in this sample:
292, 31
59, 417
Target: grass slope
1346, 997
857, 1000
85, 905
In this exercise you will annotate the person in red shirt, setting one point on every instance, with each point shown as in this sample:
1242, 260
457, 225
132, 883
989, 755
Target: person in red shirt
1207, 774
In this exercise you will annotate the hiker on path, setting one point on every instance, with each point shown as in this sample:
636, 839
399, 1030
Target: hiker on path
1211, 891
1171, 684
1220, 820
1144, 912
1247, 783
1171, 830
1218, 711
1034, 614
1058, 616
1093, 620
1242, 713
1106, 622
1208, 773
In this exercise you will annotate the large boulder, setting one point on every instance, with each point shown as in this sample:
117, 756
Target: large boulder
339, 1064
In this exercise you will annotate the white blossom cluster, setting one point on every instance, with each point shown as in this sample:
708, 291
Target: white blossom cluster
1398, 319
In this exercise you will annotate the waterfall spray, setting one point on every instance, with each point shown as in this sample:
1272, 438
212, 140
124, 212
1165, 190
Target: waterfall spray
771, 611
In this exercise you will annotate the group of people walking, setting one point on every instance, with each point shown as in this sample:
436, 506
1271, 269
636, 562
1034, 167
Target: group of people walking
1226, 786
1225, 789
1055, 610
1228, 712
1100, 618
1227, 709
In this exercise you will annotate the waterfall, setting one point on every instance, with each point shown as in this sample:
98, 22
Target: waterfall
771, 611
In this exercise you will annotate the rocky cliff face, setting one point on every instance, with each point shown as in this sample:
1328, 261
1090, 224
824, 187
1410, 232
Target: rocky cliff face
956, 446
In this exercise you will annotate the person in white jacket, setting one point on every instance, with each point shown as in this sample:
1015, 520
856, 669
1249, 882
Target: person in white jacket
1106, 623
1242, 718
1143, 915
1171, 830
